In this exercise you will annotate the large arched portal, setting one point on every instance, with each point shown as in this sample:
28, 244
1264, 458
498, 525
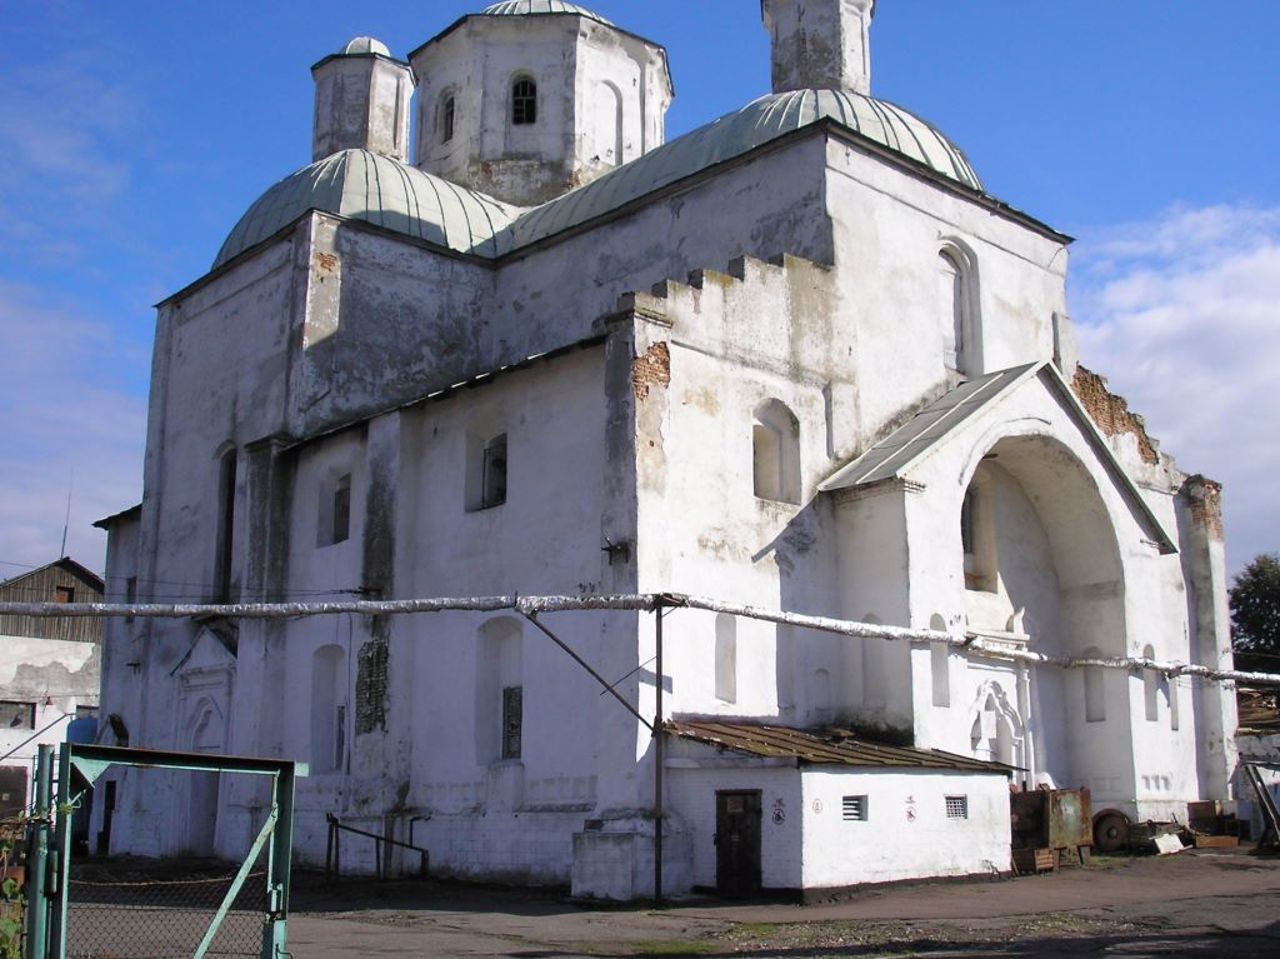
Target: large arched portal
1043, 570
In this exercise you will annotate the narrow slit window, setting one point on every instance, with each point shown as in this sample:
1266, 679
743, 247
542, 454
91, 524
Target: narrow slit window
342, 509
524, 102
447, 111
495, 472
512, 721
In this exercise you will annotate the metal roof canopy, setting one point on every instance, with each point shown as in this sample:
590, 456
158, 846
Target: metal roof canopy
899, 452
829, 747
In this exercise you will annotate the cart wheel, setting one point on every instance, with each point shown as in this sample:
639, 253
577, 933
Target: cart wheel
1110, 831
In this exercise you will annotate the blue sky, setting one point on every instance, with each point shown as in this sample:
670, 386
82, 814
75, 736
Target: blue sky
133, 135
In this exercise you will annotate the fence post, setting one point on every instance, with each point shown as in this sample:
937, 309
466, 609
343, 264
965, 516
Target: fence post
37, 909
275, 933
57, 945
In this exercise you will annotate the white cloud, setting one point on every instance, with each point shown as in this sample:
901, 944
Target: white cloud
1182, 314
68, 413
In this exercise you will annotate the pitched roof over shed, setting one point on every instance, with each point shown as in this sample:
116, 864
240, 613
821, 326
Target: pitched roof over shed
831, 747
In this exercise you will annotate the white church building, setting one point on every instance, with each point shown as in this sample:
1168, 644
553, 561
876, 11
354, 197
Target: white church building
798, 358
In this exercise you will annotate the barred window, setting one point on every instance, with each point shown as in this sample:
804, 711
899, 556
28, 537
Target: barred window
524, 102
957, 807
855, 808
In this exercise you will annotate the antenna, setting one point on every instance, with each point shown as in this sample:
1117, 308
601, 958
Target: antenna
71, 479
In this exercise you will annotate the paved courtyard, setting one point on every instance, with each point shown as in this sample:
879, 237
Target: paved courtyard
1199, 903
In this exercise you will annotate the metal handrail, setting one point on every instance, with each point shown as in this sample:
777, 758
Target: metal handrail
333, 849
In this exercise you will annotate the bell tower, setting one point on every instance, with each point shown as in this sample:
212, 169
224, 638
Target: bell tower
526, 101
820, 44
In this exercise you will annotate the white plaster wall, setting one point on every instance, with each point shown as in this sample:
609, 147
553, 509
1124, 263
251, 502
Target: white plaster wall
573, 140
763, 208
54, 675
889, 227
691, 796
907, 834
1125, 759
544, 539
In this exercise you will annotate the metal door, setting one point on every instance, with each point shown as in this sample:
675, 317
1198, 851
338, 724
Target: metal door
738, 843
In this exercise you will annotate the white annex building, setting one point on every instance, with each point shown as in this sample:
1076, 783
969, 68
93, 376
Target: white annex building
798, 358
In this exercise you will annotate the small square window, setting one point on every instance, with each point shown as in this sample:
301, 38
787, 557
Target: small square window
64, 594
957, 807
854, 808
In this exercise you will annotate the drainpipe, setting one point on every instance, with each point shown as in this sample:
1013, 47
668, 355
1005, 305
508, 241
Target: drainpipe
659, 738
1028, 737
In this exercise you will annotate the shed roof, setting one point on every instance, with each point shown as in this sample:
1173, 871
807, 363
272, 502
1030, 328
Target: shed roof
829, 747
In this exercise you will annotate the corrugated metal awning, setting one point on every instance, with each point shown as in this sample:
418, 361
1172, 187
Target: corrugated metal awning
829, 747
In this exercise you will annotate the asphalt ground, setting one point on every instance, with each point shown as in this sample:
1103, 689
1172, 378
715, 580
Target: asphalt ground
1199, 903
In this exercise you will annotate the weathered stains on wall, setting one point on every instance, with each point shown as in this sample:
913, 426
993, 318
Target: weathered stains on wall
1111, 412
371, 681
652, 369
386, 322
1204, 500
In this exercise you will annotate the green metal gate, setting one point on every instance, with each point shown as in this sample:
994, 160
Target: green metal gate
79, 908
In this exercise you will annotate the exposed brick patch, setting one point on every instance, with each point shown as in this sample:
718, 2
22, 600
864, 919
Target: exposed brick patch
371, 686
1111, 412
650, 370
1204, 499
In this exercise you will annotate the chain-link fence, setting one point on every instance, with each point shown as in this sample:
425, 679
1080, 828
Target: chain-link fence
113, 891
134, 911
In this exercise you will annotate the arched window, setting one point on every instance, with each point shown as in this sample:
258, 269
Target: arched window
524, 102
609, 124
333, 522
1151, 686
499, 704
978, 536
822, 709
486, 468
448, 108
957, 308
328, 709
225, 540
875, 670
940, 664
775, 453
726, 669
1095, 690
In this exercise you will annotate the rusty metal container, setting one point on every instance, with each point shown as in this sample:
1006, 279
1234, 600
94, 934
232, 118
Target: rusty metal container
1052, 819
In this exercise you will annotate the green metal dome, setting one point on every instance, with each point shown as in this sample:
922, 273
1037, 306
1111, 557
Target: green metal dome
520, 8
366, 186
759, 122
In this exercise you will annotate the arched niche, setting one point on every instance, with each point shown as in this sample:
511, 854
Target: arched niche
1060, 581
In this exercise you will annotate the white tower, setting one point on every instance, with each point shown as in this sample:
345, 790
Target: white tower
820, 44
526, 101
362, 101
